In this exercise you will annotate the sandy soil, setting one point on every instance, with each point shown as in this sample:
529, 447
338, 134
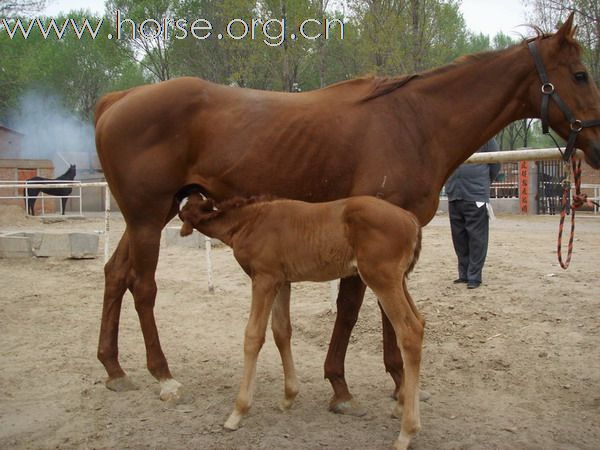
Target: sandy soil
514, 364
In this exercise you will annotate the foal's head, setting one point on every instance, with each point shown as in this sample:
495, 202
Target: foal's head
195, 210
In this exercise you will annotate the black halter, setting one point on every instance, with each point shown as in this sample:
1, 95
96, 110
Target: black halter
548, 92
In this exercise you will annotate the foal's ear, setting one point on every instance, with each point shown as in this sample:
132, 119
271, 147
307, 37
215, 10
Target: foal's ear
186, 229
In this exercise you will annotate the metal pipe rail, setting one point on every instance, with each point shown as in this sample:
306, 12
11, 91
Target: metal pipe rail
539, 154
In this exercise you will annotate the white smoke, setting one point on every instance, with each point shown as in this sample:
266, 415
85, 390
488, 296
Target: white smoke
50, 129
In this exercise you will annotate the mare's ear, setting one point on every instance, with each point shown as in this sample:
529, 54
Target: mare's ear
567, 31
186, 229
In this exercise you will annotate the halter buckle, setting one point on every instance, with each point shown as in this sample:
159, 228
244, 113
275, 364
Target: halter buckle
576, 125
547, 88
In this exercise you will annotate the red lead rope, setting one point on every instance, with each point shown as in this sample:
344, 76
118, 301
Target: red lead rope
579, 200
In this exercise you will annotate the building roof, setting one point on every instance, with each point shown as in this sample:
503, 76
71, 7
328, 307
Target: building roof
10, 130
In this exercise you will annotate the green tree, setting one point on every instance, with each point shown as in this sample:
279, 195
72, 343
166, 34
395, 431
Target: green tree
141, 25
78, 70
407, 36
11, 8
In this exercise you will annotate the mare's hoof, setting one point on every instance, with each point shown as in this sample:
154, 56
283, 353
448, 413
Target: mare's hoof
286, 404
120, 384
397, 411
170, 391
348, 408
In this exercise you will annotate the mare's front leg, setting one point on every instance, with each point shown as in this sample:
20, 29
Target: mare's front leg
349, 301
264, 290
144, 248
282, 334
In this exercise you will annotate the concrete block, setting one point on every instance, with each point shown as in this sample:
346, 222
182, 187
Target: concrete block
65, 245
83, 245
15, 245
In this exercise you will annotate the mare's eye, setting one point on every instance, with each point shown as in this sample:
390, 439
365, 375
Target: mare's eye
581, 77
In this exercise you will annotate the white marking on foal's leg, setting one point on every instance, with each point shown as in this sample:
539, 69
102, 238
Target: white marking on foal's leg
233, 423
170, 390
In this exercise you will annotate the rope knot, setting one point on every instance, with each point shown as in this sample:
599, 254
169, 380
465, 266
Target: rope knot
579, 200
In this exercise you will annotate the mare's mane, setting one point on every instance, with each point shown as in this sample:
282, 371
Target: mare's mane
383, 85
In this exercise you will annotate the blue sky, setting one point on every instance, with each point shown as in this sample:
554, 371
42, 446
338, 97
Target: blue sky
485, 16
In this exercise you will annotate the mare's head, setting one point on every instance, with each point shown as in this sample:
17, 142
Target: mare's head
579, 117
195, 210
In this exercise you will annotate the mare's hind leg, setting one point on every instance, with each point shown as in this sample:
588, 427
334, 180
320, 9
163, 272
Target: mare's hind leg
144, 248
117, 273
349, 301
282, 334
264, 290
392, 358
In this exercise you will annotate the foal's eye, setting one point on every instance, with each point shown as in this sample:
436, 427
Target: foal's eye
581, 77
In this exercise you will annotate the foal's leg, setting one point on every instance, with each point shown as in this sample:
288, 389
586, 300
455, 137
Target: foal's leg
408, 326
117, 276
264, 290
144, 245
349, 301
282, 333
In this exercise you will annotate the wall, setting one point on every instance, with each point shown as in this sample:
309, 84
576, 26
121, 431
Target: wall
9, 171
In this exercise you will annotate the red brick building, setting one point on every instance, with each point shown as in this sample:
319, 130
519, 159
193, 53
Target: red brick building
14, 168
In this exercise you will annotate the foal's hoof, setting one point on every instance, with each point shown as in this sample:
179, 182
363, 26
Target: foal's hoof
120, 384
233, 423
348, 408
170, 391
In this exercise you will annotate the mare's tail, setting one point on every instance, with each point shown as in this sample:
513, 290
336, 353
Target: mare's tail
106, 102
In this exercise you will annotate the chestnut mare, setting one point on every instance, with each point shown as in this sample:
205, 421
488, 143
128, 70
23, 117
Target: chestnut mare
397, 138
278, 242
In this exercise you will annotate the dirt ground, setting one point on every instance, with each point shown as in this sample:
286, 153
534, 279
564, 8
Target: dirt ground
513, 364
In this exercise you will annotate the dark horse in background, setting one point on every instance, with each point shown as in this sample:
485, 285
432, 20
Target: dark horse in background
31, 193
398, 138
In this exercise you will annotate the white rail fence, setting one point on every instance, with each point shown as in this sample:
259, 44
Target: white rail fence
37, 184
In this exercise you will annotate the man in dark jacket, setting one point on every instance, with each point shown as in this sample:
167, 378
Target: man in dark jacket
468, 190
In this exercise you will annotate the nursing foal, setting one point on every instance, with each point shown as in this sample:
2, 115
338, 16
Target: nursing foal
282, 241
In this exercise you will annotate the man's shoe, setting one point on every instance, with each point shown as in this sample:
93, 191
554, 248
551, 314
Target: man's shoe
460, 280
473, 284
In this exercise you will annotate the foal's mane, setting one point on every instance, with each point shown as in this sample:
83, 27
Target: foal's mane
232, 204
